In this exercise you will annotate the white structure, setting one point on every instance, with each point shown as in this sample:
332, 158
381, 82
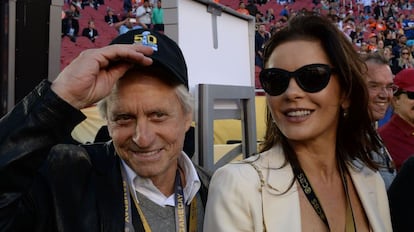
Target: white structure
218, 45
217, 41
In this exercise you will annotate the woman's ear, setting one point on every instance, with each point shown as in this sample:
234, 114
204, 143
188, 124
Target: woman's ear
345, 105
345, 102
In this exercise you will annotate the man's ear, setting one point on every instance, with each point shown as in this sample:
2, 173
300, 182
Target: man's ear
188, 121
395, 101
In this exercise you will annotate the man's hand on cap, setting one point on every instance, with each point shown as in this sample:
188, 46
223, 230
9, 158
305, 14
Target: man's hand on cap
91, 76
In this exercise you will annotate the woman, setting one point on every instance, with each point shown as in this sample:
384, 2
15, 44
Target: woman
111, 18
316, 146
406, 59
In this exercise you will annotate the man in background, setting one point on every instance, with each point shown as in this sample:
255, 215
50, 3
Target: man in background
398, 133
261, 37
158, 17
380, 84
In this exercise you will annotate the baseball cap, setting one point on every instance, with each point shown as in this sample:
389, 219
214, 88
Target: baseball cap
409, 43
405, 79
166, 53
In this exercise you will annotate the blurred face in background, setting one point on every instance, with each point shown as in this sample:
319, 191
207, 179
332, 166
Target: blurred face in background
404, 107
405, 53
380, 85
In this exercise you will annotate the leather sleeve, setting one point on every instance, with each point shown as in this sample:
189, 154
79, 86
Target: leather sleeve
27, 133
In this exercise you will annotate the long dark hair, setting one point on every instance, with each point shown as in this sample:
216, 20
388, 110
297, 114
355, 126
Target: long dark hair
356, 137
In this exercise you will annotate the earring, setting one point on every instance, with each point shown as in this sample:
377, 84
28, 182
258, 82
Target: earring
345, 113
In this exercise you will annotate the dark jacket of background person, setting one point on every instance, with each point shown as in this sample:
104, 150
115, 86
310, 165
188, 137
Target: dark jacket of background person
70, 22
252, 8
87, 33
110, 19
401, 197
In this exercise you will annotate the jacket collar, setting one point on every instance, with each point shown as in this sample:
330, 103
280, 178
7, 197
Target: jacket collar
362, 177
271, 160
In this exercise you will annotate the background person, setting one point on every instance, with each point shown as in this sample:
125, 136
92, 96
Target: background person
379, 80
398, 132
129, 24
401, 199
144, 13
261, 37
90, 31
70, 26
111, 18
158, 17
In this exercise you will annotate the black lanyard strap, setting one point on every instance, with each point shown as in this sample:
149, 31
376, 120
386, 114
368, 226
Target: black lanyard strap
310, 194
313, 199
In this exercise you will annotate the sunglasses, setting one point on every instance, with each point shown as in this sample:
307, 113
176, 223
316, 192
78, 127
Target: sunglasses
405, 53
311, 78
410, 95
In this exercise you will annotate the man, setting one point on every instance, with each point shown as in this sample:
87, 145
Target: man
242, 9
252, 8
379, 80
70, 26
139, 181
90, 31
261, 37
398, 133
129, 24
144, 13
408, 27
401, 41
158, 17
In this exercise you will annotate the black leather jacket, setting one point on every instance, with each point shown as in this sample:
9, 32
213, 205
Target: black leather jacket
47, 186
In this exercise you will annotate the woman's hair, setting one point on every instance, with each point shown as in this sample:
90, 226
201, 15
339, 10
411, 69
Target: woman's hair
401, 60
184, 96
356, 135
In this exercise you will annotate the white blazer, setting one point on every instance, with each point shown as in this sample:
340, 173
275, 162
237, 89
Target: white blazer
239, 200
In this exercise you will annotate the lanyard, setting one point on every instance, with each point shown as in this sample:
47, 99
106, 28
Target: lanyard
180, 214
314, 201
180, 217
310, 194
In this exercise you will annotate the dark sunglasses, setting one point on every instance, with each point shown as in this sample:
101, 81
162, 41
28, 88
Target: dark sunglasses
311, 78
410, 95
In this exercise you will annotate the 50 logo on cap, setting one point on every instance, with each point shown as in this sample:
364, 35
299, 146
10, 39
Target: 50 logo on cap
147, 39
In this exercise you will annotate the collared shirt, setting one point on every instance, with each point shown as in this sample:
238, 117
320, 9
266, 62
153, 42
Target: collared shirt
398, 136
148, 189
144, 14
